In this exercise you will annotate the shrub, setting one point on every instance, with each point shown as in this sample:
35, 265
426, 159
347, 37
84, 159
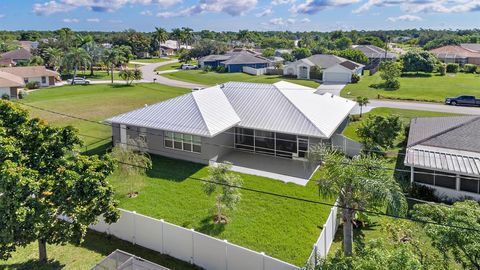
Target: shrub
5, 97
422, 192
392, 85
316, 73
442, 68
452, 68
32, 85
470, 68
221, 69
207, 68
355, 78
22, 94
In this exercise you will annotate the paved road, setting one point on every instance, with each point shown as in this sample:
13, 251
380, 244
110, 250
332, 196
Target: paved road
332, 88
435, 107
149, 75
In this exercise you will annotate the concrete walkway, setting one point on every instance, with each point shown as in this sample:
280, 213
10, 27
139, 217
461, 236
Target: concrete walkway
149, 75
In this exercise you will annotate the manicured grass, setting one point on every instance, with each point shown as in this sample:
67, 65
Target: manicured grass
97, 103
212, 78
423, 88
99, 75
152, 60
92, 251
283, 228
172, 66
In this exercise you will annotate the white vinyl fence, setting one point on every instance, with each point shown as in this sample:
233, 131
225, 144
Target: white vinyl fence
188, 245
322, 246
348, 146
254, 71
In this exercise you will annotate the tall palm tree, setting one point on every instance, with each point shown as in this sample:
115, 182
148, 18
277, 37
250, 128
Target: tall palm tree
76, 58
362, 102
55, 57
112, 58
95, 52
177, 35
161, 36
359, 183
187, 35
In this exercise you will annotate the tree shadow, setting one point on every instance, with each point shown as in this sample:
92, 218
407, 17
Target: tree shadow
416, 75
98, 149
172, 169
209, 227
34, 264
117, 85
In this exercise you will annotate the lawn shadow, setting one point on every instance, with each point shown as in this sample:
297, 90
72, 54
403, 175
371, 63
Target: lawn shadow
172, 169
34, 264
117, 85
97, 148
209, 227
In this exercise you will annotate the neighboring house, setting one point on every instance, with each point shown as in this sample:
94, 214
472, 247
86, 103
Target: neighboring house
29, 45
18, 56
9, 84
120, 259
281, 119
170, 47
457, 54
375, 55
334, 68
234, 61
7, 63
40, 74
471, 46
444, 153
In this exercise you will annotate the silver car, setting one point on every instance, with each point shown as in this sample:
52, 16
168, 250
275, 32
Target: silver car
78, 80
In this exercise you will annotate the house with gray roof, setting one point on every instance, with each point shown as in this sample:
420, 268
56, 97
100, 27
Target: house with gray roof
444, 153
375, 55
248, 124
334, 68
234, 61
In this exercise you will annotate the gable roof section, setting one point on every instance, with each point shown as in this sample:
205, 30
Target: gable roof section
21, 54
245, 58
471, 46
30, 71
350, 65
204, 113
454, 51
326, 61
372, 51
10, 80
215, 57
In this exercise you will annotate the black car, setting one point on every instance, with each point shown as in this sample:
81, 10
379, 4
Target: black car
462, 100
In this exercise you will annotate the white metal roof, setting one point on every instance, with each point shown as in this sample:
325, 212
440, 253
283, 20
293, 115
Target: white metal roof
281, 107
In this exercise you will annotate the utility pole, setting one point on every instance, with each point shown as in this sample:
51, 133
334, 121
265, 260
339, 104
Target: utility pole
387, 39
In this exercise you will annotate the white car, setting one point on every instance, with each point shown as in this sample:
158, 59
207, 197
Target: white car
197, 89
78, 80
188, 66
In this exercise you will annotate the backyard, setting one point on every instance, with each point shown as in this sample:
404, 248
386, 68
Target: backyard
422, 87
281, 227
93, 250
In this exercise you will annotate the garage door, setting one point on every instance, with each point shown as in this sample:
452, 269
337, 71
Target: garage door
337, 77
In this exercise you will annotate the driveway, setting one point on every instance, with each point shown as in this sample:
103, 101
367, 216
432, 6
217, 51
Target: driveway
422, 106
149, 75
332, 88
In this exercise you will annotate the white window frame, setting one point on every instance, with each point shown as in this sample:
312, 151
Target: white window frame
195, 141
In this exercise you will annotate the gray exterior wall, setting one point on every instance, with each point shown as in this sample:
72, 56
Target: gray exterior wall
212, 148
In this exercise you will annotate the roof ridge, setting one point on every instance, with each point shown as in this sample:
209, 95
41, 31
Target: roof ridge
200, 111
475, 118
300, 111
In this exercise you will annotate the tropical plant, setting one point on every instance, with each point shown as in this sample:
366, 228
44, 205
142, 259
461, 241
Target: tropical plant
55, 58
95, 52
113, 58
360, 183
76, 58
362, 102
453, 67
161, 36
129, 75
419, 61
187, 36
229, 195
378, 131
268, 52
177, 35
49, 192
36, 61
300, 53
390, 71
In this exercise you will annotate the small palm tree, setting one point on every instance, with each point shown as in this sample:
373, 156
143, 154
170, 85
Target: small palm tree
362, 102
76, 58
55, 57
359, 183
161, 35
177, 35
95, 52
112, 58
187, 35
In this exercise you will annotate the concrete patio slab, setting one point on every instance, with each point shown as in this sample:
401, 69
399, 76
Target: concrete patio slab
286, 170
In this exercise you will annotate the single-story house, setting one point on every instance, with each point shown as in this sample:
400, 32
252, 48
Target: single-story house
457, 54
40, 74
444, 153
280, 120
471, 46
235, 61
334, 68
375, 55
17, 56
9, 84
170, 47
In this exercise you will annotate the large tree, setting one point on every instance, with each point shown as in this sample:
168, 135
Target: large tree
419, 61
359, 183
54, 58
161, 36
76, 58
113, 58
43, 178
379, 132
462, 244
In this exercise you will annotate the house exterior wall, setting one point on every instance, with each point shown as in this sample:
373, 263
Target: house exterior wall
239, 67
212, 64
4, 90
39, 80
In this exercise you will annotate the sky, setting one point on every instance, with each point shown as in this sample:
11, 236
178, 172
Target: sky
233, 15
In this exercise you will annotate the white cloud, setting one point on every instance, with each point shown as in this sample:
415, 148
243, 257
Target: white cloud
264, 13
426, 6
93, 20
146, 13
231, 7
315, 6
282, 2
56, 6
281, 21
167, 14
305, 20
404, 18
71, 20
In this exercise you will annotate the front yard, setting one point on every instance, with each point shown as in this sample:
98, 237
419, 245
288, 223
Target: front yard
98, 75
422, 88
281, 227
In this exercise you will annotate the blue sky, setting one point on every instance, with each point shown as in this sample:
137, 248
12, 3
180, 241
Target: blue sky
220, 15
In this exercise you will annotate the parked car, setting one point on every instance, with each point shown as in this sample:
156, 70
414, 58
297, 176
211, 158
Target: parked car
78, 80
196, 89
188, 66
462, 100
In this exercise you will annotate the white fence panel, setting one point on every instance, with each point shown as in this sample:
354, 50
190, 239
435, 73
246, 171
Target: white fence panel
124, 228
348, 146
274, 264
148, 233
254, 71
240, 258
101, 226
178, 242
209, 252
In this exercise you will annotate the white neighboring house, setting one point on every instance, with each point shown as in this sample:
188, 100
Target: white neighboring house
40, 74
334, 68
9, 84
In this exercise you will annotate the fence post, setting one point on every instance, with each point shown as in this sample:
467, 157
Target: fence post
315, 255
325, 241
163, 235
134, 227
226, 254
193, 246
263, 260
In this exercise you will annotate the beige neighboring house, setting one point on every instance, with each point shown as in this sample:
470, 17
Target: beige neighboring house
40, 74
14, 57
10, 84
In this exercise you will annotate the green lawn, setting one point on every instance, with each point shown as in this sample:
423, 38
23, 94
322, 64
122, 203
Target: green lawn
152, 60
283, 228
434, 88
99, 75
172, 66
93, 250
212, 78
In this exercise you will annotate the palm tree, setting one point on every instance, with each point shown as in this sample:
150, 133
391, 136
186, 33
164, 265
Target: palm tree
161, 35
55, 57
177, 35
95, 52
112, 58
187, 35
75, 58
359, 183
362, 102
